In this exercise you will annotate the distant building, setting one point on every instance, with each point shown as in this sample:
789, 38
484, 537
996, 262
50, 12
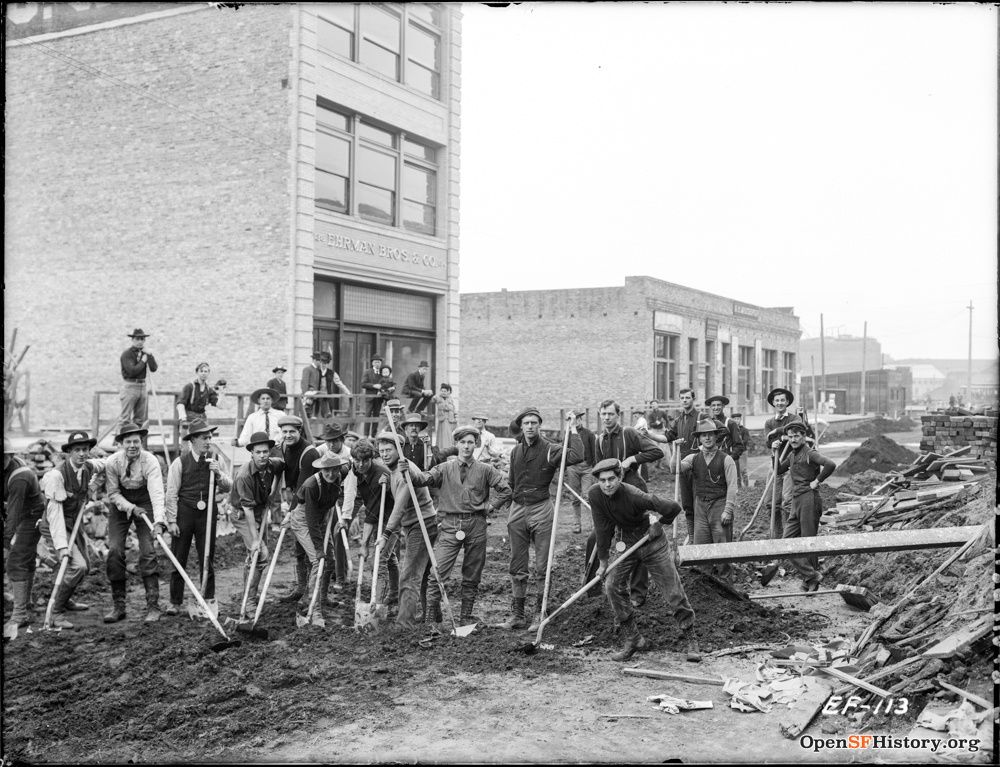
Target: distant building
645, 340
842, 354
926, 378
886, 391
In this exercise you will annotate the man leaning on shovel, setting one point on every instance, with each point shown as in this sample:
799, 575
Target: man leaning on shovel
189, 507
614, 503
464, 503
254, 491
66, 489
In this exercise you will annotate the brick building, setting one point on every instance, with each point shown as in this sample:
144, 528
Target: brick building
644, 340
245, 185
887, 391
841, 354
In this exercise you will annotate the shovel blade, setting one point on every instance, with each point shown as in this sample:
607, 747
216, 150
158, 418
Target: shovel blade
220, 646
364, 617
464, 631
10, 631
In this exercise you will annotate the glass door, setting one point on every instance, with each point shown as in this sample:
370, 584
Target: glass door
356, 350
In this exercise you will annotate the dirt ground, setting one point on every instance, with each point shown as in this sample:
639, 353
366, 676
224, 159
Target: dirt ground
132, 692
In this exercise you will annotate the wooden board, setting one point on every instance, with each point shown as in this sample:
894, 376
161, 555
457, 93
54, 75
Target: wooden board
795, 721
654, 673
827, 545
960, 640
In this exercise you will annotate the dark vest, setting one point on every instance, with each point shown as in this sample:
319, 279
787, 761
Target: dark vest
194, 480
530, 471
76, 492
710, 478
803, 471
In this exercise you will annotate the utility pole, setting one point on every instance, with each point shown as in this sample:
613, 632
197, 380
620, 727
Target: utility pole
864, 355
968, 394
822, 358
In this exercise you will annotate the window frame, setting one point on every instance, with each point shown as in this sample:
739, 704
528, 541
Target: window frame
745, 373
768, 369
671, 341
788, 362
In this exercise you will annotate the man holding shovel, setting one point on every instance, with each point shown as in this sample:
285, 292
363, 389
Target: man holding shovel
191, 505
255, 490
403, 524
299, 458
578, 476
615, 504
464, 502
24, 506
66, 489
534, 462
779, 399
682, 428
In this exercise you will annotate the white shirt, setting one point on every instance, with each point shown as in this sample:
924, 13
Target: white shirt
256, 422
488, 447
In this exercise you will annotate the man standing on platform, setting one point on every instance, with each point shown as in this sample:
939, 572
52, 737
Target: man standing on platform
263, 419
331, 385
371, 386
196, 395
312, 382
578, 476
135, 364
415, 386
278, 385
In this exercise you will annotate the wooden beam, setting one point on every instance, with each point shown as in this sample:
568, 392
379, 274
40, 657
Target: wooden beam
853, 680
670, 675
794, 721
826, 545
959, 641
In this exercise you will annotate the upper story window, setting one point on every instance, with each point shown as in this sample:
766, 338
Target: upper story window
401, 41
374, 172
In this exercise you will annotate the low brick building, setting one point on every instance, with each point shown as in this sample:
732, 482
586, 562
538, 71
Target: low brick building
245, 185
644, 340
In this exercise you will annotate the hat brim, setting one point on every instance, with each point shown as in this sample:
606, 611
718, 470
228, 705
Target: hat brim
413, 422
251, 445
137, 432
720, 398
256, 395
774, 392
138, 335
275, 370
70, 445
192, 434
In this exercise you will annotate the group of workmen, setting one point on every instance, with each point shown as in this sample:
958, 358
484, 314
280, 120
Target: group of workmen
408, 497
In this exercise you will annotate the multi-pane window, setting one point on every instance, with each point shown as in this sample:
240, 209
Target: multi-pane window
726, 354
710, 368
402, 42
374, 172
788, 370
768, 370
665, 362
745, 374
693, 363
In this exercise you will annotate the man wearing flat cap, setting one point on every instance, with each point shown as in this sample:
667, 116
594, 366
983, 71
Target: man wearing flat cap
24, 506
730, 438
277, 384
255, 493
534, 462
463, 507
66, 489
196, 395
615, 504
136, 363
190, 506
263, 419
317, 498
135, 486
415, 386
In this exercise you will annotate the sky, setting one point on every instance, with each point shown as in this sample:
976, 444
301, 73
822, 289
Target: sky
838, 158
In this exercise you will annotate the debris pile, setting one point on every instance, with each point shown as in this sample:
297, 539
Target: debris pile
878, 426
942, 432
877, 453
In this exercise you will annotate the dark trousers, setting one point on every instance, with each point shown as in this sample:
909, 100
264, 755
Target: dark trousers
448, 546
191, 521
118, 525
639, 583
414, 572
21, 557
659, 561
419, 404
803, 522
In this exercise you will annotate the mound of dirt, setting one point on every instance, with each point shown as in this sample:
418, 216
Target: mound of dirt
879, 426
878, 453
863, 483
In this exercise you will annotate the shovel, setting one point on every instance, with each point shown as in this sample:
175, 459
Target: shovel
676, 447
218, 646
760, 503
532, 647
593, 552
458, 631
264, 524
367, 615
251, 628
47, 623
213, 605
301, 621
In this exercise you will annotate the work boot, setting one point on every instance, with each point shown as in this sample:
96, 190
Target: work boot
31, 607
576, 524
76, 607
324, 590
688, 645
392, 595
768, 574
20, 615
435, 608
173, 609
516, 620
301, 579
152, 584
317, 619
812, 584
117, 611
467, 617
536, 614
634, 641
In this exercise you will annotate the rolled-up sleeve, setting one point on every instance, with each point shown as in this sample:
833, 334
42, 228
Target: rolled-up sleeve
154, 486
55, 493
173, 488
113, 484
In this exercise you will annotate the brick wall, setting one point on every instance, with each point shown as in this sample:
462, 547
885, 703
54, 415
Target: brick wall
170, 213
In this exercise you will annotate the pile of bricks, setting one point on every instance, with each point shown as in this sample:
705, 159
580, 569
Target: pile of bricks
42, 456
942, 432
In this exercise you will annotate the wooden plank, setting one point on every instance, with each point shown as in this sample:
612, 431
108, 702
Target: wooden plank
853, 680
981, 702
960, 640
884, 672
827, 545
804, 710
670, 675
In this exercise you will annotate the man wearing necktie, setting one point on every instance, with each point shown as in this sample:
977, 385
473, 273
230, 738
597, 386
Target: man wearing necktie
135, 362
264, 419
464, 502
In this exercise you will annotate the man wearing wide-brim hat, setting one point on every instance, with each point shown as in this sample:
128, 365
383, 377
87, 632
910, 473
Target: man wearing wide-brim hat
534, 462
317, 499
135, 486
190, 506
264, 419
256, 491
66, 489
277, 384
24, 506
463, 508
730, 440
136, 364
780, 399
715, 482
417, 443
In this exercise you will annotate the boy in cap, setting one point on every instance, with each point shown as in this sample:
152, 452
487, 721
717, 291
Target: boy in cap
278, 385
415, 386
714, 480
189, 508
263, 419
24, 506
403, 525
488, 447
464, 504
197, 395
254, 494
534, 462
804, 469
135, 364
616, 504
135, 486
317, 498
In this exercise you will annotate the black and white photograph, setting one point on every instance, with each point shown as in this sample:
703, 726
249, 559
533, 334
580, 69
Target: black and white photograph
500, 383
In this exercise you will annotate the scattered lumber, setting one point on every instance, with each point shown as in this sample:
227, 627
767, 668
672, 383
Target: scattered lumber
853, 680
981, 702
959, 641
672, 676
804, 710
882, 673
